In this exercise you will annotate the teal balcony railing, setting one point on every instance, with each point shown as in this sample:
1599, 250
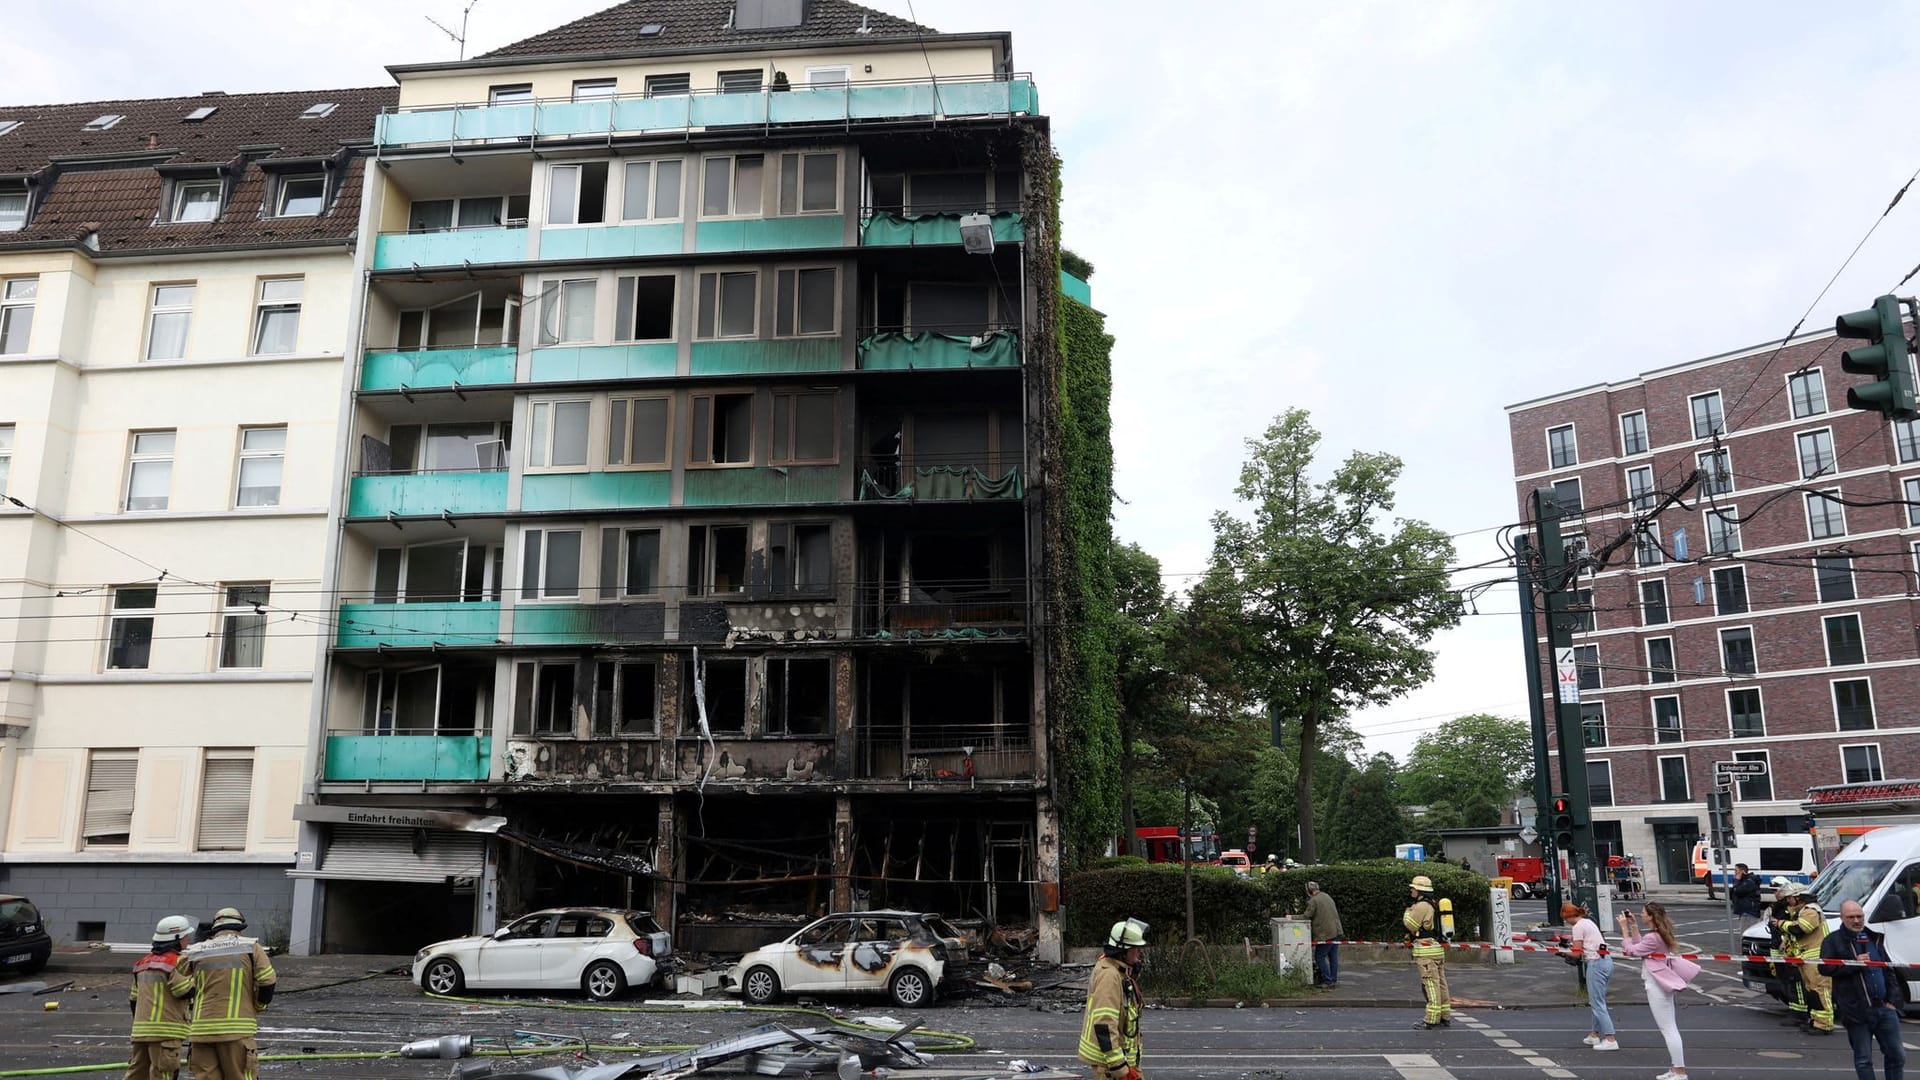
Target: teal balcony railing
887, 228
408, 757
1076, 288
450, 247
773, 485
946, 98
366, 626
927, 351
428, 494
488, 365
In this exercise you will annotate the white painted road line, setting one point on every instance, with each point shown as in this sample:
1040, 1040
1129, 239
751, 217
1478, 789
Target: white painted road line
1417, 1067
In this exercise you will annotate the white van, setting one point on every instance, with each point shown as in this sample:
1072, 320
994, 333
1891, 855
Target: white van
1880, 870
1768, 855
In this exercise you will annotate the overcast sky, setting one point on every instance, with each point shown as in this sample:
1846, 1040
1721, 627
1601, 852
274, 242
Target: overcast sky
1401, 217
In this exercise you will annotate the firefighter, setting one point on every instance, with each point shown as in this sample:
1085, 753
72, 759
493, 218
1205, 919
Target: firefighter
159, 1018
1429, 956
1801, 934
1788, 974
1110, 1038
230, 980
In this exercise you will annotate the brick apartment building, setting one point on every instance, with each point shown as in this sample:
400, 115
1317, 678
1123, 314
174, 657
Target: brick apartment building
1769, 614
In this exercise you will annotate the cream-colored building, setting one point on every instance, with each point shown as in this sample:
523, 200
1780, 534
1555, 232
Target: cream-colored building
176, 295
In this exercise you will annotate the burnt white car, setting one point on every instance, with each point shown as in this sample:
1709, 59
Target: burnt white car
904, 954
600, 951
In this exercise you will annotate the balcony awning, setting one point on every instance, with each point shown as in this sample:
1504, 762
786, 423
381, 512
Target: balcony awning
373, 853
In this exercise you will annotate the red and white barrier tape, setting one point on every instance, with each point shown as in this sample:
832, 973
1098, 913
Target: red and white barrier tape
1558, 950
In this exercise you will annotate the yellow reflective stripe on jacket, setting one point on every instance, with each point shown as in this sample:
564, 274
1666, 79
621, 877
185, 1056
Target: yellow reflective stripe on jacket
223, 974
1110, 1007
157, 1014
1428, 947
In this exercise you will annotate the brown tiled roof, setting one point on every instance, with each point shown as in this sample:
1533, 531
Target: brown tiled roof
108, 183
688, 24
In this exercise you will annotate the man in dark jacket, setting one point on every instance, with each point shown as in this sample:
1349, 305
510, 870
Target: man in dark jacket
1865, 999
1745, 891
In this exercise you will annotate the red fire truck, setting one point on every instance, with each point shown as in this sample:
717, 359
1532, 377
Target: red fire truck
1161, 844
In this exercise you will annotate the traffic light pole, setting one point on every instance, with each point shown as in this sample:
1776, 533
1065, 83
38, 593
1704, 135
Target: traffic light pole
1554, 581
1537, 711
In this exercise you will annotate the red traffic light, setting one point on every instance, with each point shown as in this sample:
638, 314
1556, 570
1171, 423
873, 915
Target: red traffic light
1562, 804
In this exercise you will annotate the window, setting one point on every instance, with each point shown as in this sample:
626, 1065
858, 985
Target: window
276, 327
641, 567
651, 191
716, 560
201, 113
432, 573
799, 696
577, 194
800, 557
510, 94
13, 205
108, 816
302, 196
319, 109
810, 183
595, 89
469, 212
1640, 488
1633, 433
551, 564
1593, 723
1653, 602
568, 314
729, 305
626, 699
169, 312
1646, 545
804, 426
1586, 661
1666, 720
730, 185
149, 470
1861, 763
1816, 452
1833, 577
1716, 471
836, 75
644, 308
1660, 660
1744, 713
740, 82
1906, 440
1707, 418
103, 122
1844, 643
1566, 493
1808, 393
1755, 788
559, 439
1736, 651
195, 200
723, 685
1853, 704
6, 455
1580, 610
1826, 517
679, 82
1599, 783
543, 698
807, 301
16, 314
1723, 532
1730, 590
1673, 779
722, 429
243, 626
130, 628
8, 125
263, 452
1561, 450
638, 431
226, 796
1911, 487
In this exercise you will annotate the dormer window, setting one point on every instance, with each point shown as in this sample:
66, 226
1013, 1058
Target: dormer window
103, 122
8, 125
319, 109
202, 113
13, 208
195, 200
301, 196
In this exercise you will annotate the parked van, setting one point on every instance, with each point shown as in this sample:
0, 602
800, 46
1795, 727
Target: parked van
1770, 855
1236, 860
1881, 871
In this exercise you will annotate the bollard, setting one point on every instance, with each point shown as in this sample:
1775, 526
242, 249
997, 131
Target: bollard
1500, 923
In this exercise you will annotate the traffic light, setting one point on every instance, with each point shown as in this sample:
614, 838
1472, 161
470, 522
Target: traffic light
1720, 818
1884, 357
1562, 823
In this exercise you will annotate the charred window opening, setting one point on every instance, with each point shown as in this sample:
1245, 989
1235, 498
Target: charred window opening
716, 560
946, 722
544, 699
626, 698
973, 863
800, 696
800, 557
726, 695
722, 429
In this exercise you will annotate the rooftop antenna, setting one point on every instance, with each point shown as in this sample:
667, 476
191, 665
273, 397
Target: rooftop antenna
460, 38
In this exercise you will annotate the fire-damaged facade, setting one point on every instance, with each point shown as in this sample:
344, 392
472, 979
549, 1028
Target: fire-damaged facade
689, 522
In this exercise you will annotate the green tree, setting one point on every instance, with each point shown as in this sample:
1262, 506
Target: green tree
1367, 820
1476, 763
1142, 608
1335, 606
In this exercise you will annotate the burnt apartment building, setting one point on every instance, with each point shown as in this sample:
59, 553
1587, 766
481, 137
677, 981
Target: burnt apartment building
688, 529
1767, 615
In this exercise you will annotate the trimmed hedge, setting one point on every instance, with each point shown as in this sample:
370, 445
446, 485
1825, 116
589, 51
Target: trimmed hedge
1372, 895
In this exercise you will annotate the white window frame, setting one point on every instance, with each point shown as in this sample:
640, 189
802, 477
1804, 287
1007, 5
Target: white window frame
1822, 446
282, 196
1601, 763
1764, 757
1810, 377
147, 614
1713, 586
620, 421
1686, 778
1729, 538
813, 75
245, 616
1646, 439
1587, 658
1853, 592
596, 89
1666, 601
622, 328
579, 169
1647, 550
225, 838
265, 306
1879, 762
1833, 700
177, 202
1693, 417
720, 277
15, 203
738, 75
1579, 495
733, 210
1672, 670
17, 295
798, 160
247, 453
1906, 440
1600, 711
7, 435
156, 310
1679, 719
1829, 509
1717, 469
1720, 634
120, 787
794, 330
676, 83
653, 215
509, 323
556, 296
136, 457
536, 569
1573, 447
1826, 639
544, 413
1641, 496
319, 110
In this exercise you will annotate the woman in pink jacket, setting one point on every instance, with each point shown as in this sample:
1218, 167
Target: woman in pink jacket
1664, 975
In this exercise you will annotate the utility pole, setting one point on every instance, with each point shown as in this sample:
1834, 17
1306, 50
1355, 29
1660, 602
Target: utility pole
1554, 581
1523, 551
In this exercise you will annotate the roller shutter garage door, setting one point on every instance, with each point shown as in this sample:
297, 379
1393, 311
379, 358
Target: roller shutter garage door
379, 853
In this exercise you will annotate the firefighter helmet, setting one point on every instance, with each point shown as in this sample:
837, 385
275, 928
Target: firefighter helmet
229, 919
1423, 883
1127, 934
174, 929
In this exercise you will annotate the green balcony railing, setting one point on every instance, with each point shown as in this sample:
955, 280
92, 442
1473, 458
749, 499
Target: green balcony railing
451, 247
408, 757
774, 485
1076, 288
771, 233
888, 228
981, 96
889, 351
489, 365
428, 494
366, 626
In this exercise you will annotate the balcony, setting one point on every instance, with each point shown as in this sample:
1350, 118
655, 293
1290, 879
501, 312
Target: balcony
890, 229
415, 369
567, 363
957, 613
847, 104
588, 624
766, 357
956, 754
428, 494
772, 233
595, 490
884, 479
408, 757
777, 485
927, 351
450, 247
610, 241
367, 626
1076, 288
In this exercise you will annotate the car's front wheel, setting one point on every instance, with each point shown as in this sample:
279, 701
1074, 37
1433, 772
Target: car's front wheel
443, 976
760, 986
910, 988
603, 980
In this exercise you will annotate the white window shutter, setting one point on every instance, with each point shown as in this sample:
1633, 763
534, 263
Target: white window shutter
109, 813
226, 793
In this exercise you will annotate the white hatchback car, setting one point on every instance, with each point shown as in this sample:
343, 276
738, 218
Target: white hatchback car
905, 954
602, 951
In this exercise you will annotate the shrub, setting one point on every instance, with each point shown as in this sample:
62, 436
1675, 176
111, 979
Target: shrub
1114, 862
1076, 265
1195, 972
1371, 895
1226, 908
